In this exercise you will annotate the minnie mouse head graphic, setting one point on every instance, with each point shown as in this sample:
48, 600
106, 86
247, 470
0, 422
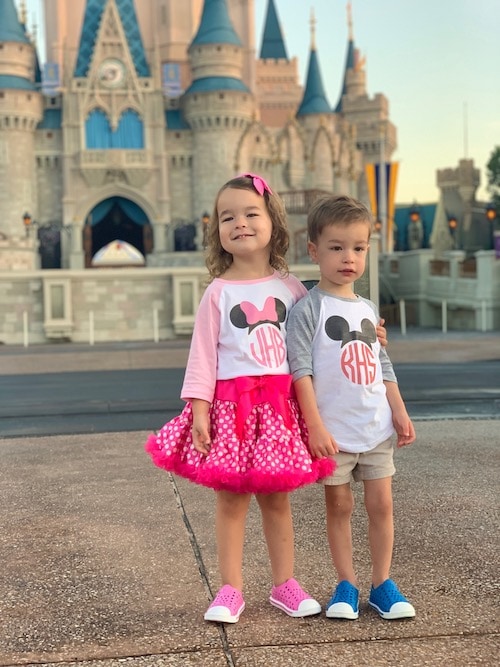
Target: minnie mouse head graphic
246, 314
357, 360
266, 341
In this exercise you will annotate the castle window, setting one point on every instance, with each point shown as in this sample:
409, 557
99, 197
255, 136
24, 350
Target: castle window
128, 134
49, 135
221, 96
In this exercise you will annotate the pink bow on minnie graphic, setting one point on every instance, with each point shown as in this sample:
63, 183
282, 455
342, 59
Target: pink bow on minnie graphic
254, 315
258, 182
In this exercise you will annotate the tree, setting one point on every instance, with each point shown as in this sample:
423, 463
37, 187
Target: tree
493, 174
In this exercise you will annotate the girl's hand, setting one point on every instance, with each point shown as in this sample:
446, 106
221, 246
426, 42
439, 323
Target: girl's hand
382, 333
200, 430
200, 434
321, 442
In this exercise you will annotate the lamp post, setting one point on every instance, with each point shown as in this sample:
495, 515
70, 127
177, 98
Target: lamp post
415, 229
27, 221
453, 224
491, 216
205, 219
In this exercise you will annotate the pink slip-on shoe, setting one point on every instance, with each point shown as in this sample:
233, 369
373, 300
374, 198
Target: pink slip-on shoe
291, 598
226, 606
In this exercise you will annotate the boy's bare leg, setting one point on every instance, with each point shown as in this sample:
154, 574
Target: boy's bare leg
339, 507
379, 506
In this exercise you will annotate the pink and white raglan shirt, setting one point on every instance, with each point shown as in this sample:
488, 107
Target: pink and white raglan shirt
240, 330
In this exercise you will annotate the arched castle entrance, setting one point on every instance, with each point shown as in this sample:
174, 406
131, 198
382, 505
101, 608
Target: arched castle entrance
116, 219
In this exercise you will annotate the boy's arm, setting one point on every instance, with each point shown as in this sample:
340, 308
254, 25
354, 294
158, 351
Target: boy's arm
400, 418
321, 442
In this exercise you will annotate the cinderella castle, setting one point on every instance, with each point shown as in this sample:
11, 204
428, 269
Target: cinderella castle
144, 109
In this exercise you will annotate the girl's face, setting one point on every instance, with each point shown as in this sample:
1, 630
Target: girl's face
245, 225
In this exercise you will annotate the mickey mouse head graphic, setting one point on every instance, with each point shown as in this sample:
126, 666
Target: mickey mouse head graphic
357, 360
267, 345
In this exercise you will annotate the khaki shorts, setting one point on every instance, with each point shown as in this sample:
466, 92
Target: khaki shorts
374, 464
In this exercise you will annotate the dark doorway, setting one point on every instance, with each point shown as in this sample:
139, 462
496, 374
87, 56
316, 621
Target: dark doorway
49, 238
116, 219
117, 225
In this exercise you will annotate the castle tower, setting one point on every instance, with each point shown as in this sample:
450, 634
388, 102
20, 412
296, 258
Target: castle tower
20, 112
375, 134
277, 88
218, 106
114, 164
317, 120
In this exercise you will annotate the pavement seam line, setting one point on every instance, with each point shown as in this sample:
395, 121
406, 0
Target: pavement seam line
201, 567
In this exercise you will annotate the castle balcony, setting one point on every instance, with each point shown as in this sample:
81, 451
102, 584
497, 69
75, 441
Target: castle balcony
102, 166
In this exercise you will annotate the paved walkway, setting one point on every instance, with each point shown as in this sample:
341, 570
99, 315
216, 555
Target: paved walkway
106, 560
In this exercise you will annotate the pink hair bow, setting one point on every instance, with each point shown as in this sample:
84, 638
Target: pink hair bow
259, 183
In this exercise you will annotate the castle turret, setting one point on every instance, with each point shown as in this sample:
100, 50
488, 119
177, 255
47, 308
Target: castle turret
20, 112
314, 100
278, 89
218, 105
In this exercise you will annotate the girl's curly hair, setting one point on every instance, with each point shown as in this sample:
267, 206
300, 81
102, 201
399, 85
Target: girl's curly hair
218, 260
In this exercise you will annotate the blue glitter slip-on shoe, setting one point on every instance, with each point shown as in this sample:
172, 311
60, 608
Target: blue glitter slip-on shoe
344, 602
390, 603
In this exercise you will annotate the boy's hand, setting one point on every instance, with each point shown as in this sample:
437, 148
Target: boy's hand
321, 442
404, 428
382, 333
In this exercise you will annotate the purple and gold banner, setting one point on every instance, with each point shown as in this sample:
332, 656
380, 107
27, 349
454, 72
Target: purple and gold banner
372, 172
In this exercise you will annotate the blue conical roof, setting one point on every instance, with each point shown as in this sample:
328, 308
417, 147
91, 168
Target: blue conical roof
349, 64
91, 21
314, 99
215, 25
11, 29
273, 45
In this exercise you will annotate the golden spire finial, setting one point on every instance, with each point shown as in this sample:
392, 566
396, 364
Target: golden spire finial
313, 30
349, 20
23, 12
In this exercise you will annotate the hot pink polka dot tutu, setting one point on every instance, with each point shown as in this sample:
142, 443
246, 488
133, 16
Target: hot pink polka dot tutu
265, 454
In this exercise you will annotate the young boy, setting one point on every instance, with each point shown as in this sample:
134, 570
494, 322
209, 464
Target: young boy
350, 400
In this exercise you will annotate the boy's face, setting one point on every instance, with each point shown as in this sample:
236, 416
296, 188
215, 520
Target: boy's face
340, 251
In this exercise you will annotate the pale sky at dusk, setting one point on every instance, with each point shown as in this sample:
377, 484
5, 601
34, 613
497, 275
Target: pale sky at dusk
436, 62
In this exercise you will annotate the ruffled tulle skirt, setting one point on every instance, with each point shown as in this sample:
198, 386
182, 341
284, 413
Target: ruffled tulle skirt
264, 454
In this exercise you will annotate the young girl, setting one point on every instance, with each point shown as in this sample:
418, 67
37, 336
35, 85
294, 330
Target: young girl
240, 432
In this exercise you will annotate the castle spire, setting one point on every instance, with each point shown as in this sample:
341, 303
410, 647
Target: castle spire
350, 57
314, 100
273, 45
93, 14
215, 25
11, 29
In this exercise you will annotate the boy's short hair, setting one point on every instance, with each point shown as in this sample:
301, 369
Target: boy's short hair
335, 210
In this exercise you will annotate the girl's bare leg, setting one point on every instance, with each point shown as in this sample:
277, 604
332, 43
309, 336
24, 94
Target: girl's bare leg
230, 517
278, 531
